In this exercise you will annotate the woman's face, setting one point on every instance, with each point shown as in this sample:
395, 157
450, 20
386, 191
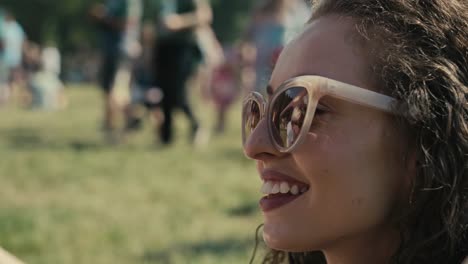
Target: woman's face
351, 161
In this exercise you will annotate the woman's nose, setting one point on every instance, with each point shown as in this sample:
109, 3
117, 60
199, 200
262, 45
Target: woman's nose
258, 145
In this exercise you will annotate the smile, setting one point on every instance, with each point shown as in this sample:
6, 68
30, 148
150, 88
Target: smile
279, 192
271, 187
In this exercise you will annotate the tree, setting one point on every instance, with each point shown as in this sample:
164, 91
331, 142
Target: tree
65, 22
230, 18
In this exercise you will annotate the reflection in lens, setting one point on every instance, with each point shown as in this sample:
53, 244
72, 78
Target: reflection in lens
288, 114
251, 117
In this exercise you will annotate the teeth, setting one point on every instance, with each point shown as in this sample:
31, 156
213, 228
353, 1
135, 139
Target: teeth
284, 187
275, 189
266, 187
270, 187
295, 190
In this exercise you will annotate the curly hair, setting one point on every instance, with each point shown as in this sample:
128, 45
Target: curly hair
419, 54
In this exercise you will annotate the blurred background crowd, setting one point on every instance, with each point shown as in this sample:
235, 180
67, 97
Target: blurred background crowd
90, 93
146, 55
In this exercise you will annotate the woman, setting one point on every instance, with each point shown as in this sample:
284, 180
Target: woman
378, 171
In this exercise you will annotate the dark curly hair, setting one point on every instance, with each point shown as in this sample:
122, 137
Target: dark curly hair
419, 54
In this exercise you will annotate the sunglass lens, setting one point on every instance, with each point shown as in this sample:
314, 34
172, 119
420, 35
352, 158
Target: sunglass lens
251, 116
287, 115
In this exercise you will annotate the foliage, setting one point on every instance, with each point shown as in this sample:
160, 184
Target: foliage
63, 22
66, 23
231, 18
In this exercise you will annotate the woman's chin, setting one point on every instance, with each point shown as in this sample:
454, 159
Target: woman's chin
275, 239
284, 240
274, 243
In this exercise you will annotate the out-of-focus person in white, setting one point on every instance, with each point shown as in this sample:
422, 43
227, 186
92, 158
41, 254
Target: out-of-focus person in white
45, 85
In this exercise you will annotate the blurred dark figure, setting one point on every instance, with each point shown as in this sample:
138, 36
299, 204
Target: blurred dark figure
111, 18
145, 97
176, 57
31, 64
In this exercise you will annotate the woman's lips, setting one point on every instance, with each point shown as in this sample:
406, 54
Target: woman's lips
272, 175
273, 201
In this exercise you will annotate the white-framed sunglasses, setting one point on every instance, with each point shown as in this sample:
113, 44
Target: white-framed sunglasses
292, 107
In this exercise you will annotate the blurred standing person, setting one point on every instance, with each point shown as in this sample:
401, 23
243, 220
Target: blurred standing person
212, 56
111, 18
44, 83
266, 36
13, 44
131, 51
31, 64
52, 59
225, 85
176, 57
215, 74
3, 70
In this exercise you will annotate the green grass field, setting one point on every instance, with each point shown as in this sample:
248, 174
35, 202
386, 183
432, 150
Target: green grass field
67, 197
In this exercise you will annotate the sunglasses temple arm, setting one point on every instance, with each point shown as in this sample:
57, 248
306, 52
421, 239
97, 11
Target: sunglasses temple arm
360, 96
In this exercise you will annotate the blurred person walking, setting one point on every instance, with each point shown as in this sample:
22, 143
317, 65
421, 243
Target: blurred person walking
215, 74
266, 37
176, 57
225, 86
14, 39
111, 18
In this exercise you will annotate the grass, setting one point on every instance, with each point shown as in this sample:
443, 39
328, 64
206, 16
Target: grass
67, 197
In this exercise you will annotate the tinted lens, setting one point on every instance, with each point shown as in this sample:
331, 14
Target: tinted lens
287, 115
252, 116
